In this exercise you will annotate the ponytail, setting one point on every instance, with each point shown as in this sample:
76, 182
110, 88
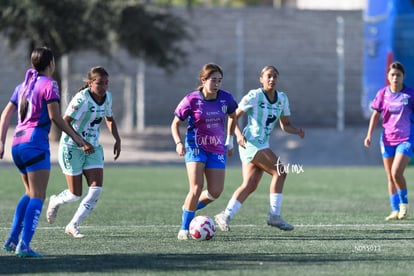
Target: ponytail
29, 82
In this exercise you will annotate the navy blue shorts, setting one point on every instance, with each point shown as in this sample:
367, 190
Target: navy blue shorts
29, 158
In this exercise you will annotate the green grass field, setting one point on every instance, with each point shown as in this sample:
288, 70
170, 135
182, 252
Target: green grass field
338, 213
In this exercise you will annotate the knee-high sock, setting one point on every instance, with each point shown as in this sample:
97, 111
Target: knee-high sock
87, 204
395, 202
276, 204
403, 196
31, 219
17, 224
65, 197
186, 218
233, 206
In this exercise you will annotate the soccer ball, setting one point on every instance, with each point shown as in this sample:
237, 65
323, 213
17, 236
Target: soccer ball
202, 228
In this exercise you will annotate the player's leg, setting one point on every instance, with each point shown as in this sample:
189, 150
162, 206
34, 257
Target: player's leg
17, 224
94, 178
388, 153
71, 161
195, 173
215, 173
268, 161
37, 181
251, 178
401, 160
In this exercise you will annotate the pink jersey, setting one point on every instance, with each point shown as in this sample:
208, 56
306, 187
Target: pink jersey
36, 126
206, 119
396, 110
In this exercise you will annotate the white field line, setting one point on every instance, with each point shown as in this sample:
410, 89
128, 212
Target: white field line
355, 226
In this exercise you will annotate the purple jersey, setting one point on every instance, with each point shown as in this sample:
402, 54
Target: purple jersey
396, 109
206, 119
36, 125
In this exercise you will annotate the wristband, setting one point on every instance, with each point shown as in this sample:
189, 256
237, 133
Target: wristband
229, 142
179, 142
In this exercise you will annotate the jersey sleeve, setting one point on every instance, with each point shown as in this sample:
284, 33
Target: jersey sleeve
77, 106
183, 109
108, 109
248, 100
15, 96
286, 106
377, 103
52, 91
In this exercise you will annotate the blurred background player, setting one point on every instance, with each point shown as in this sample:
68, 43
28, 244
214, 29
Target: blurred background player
85, 113
395, 103
204, 148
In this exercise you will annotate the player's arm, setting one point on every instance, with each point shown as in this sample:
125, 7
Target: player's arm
111, 124
287, 126
231, 125
372, 124
237, 131
54, 115
175, 132
5, 118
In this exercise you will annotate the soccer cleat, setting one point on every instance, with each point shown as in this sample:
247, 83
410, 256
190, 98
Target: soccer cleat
183, 235
223, 221
24, 251
403, 211
52, 210
73, 230
393, 216
10, 245
277, 221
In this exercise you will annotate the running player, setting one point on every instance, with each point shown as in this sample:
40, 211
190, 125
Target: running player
204, 147
264, 108
87, 110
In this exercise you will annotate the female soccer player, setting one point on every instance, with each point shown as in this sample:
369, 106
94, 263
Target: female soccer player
85, 113
395, 103
204, 147
37, 103
264, 107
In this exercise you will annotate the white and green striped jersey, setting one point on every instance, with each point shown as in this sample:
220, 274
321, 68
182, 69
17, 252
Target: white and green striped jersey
87, 116
262, 115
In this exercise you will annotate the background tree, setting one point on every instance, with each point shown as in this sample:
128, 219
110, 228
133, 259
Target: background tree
69, 26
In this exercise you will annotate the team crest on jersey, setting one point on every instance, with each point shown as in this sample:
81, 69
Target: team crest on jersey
224, 109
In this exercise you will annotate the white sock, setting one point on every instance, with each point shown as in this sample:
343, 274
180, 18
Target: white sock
276, 204
87, 204
65, 197
232, 208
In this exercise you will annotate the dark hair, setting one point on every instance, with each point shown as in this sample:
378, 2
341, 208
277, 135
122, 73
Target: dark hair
92, 74
398, 66
40, 59
267, 68
207, 70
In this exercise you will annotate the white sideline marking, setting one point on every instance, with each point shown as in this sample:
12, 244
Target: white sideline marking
234, 226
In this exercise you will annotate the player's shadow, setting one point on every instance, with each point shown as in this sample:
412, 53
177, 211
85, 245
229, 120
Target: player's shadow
174, 263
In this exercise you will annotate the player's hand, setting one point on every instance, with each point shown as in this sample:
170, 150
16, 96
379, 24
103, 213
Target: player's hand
241, 140
180, 149
117, 149
367, 142
301, 133
88, 148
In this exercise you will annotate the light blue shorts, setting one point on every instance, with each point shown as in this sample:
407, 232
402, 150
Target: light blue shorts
405, 148
73, 160
247, 154
211, 160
